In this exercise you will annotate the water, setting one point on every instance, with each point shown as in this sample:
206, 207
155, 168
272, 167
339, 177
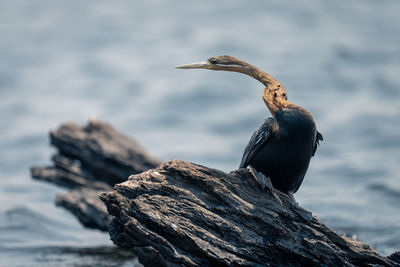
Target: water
71, 60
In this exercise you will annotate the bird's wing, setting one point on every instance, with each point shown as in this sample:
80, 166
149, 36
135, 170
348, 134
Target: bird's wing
319, 138
260, 136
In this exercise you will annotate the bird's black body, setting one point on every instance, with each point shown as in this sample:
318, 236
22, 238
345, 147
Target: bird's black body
281, 148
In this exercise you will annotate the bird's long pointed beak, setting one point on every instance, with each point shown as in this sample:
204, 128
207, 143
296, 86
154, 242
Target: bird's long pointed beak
198, 65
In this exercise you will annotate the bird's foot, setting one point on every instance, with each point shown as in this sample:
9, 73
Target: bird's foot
262, 180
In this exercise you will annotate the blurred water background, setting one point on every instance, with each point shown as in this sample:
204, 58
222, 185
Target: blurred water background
113, 60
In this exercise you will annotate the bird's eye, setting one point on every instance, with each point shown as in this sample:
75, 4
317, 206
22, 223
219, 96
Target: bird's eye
275, 95
284, 95
212, 61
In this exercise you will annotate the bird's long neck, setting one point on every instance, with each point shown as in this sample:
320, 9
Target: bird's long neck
287, 115
274, 94
248, 69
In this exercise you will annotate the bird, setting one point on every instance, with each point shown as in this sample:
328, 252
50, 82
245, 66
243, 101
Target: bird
280, 150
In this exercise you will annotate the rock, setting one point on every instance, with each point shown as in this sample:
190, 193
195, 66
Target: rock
91, 160
102, 151
395, 257
185, 214
70, 175
189, 215
86, 206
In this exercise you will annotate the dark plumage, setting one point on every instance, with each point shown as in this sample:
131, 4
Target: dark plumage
282, 147
282, 150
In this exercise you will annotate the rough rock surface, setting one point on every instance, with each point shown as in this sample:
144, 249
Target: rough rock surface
185, 214
91, 160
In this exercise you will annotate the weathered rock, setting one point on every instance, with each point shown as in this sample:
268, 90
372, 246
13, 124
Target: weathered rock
86, 206
102, 151
185, 214
70, 175
91, 160
395, 257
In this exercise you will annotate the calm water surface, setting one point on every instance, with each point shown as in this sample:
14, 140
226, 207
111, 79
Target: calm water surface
72, 60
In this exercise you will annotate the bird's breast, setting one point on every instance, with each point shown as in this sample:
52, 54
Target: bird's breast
296, 134
295, 124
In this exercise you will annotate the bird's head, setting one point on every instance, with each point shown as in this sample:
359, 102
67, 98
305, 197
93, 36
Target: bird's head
274, 94
227, 63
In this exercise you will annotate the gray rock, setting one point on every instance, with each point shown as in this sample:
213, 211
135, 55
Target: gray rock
185, 214
85, 204
91, 160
